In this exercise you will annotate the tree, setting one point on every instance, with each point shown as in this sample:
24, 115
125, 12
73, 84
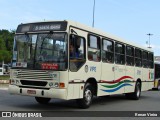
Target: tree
6, 45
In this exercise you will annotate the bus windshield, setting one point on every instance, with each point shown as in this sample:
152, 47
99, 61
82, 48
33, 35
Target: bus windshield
40, 51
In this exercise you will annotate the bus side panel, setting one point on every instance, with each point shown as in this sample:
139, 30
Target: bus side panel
107, 76
151, 80
75, 90
138, 74
119, 78
79, 78
145, 79
70, 91
130, 79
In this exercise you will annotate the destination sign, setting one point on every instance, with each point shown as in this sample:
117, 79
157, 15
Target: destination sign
47, 27
43, 26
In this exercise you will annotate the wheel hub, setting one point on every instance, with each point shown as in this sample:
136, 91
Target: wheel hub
88, 96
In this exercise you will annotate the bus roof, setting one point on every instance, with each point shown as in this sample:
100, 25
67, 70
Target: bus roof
97, 32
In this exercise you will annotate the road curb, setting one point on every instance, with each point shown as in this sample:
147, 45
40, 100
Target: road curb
4, 81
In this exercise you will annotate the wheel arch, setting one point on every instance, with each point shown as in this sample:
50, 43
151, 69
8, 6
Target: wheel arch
93, 83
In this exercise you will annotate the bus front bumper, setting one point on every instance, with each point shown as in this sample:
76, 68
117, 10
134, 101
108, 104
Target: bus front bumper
51, 93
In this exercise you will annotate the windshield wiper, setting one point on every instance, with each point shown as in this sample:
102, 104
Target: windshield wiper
35, 53
47, 36
26, 45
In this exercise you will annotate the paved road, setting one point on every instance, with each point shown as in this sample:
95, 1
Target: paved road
149, 101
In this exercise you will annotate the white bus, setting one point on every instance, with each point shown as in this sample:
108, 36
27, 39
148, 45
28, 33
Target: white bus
68, 60
157, 75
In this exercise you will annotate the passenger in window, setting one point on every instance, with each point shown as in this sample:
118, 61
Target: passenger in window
73, 52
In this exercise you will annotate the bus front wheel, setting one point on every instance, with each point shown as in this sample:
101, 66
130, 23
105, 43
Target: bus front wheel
42, 100
86, 101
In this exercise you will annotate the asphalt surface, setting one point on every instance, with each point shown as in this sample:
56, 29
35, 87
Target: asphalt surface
149, 101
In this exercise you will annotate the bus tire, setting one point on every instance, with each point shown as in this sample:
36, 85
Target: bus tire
86, 101
42, 100
137, 92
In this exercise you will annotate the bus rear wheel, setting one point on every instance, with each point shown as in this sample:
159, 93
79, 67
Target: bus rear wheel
136, 94
42, 100
86, 101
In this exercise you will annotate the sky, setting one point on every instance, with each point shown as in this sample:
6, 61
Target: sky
128, 19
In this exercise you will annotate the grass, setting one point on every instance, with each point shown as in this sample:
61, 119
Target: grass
4, 77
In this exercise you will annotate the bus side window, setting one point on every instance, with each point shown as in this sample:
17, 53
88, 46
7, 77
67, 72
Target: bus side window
138, 57
129, 56
145, 59
108, 51
119, 53
76, 52
94, 48
150, 60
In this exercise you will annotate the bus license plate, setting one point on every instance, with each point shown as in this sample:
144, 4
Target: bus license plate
31, 91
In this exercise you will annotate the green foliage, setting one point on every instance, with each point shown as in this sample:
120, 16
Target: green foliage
5, 55
6, 45
4, 77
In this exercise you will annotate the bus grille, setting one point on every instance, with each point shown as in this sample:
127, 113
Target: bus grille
33, 75
33, 83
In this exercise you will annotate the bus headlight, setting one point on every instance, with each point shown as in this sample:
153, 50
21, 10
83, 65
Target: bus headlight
51, 84
56, 85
